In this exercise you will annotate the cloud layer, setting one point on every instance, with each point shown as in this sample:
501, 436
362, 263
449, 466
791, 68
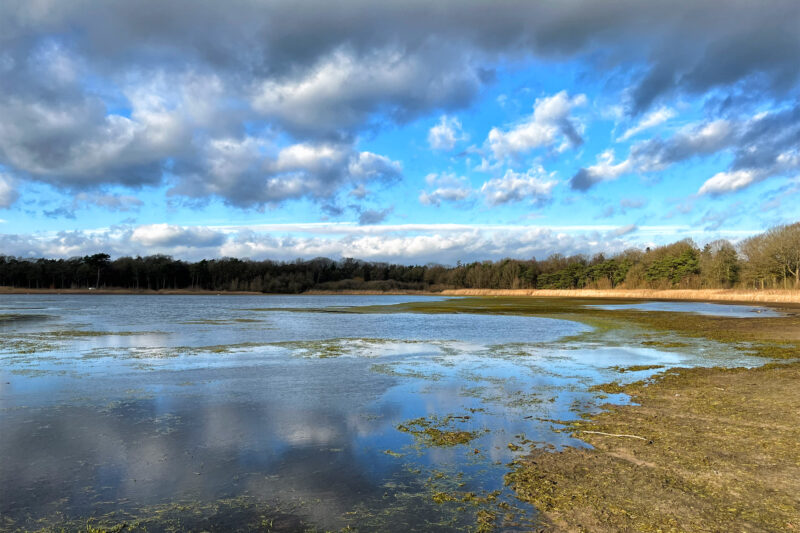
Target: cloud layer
215, 97
408, 243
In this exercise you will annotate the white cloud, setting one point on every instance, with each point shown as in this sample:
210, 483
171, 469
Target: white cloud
650, 120
167, 235
402, 243
369, 166
534, 186
550, 122
606, 169
734, 180
448, 188
8, 191
693, 140
253, 171
724, 182
446, 133
343, 88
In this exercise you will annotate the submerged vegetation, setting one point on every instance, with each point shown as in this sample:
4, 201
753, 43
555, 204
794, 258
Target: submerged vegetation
769, 260
435, 431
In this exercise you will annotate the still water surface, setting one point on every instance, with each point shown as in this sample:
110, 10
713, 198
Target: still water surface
125, 402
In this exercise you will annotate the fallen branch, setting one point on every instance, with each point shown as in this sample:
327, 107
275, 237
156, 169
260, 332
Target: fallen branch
611, 434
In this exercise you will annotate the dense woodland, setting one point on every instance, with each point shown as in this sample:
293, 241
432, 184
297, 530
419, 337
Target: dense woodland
768, 260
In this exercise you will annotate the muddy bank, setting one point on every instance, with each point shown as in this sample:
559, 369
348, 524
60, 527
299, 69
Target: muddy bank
705, 450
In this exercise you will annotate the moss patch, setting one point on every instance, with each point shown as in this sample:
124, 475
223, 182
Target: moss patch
435, 431
718, 450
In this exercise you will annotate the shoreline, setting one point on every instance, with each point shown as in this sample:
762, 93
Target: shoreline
128, 292
790, 296
704, 295
698, 449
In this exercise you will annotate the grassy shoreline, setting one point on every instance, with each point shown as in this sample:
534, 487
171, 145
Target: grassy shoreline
705, 295
703, 449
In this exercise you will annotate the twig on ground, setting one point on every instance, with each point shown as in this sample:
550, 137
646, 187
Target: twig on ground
611, 434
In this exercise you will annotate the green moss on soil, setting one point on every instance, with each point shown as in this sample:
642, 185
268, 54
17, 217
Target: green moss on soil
718, 451
436, 431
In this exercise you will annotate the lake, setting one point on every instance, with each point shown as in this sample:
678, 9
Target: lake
290, 412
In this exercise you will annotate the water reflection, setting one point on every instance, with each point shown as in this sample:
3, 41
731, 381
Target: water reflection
698, 308
189, 403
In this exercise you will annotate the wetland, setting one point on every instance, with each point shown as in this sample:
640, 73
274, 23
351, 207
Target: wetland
395, 413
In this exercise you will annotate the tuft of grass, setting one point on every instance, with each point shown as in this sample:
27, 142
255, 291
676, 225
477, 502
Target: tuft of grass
438, 432
608, 388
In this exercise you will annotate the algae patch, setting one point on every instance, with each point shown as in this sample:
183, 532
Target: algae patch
435, 431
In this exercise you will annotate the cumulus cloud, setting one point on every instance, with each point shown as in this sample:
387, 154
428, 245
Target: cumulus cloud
723, 182
605, 170
132, 96
534, 186
446, 133
691, 141
8, 191
444, 243
252, 171
446, 187
343, 89
550, 122
761, 146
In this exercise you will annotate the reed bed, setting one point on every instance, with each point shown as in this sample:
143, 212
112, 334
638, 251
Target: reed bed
725, 295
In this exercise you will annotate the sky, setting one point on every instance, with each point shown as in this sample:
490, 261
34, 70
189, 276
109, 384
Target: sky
403, 131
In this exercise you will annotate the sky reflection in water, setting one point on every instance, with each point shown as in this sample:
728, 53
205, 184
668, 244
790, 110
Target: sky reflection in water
174, 413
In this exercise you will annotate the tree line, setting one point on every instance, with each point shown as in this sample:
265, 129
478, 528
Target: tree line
767, 260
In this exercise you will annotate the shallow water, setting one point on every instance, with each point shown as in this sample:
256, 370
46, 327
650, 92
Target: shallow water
127, 402
698, 308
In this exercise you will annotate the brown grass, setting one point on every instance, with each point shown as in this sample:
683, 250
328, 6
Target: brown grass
719, 454
722, 295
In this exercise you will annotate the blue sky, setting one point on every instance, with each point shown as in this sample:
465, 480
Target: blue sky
394, 131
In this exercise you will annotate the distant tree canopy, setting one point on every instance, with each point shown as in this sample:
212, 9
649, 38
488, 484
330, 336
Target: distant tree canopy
768, 260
